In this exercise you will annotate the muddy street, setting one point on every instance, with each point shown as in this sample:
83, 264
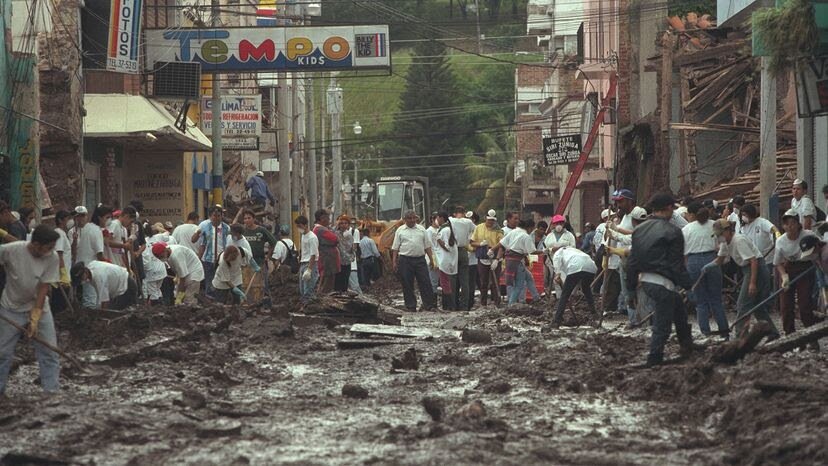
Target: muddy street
216, 385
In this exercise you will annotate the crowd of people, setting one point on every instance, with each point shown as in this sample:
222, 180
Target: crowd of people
647, 263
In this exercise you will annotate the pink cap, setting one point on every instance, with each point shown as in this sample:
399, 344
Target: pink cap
558, 219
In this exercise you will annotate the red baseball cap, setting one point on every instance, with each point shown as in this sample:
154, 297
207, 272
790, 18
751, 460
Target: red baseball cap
159, 248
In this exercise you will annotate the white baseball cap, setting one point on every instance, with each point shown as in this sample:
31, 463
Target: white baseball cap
259, 173
491, 215
469, 214
605, 213
81, 210
638, 213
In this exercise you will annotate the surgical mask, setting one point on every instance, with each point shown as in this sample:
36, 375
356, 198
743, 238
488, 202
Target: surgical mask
558, 228
70, 224
745, 219
32, 224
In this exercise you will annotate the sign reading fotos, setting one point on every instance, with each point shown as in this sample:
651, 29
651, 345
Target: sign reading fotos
561, 150
240, 115
124, 32
272, 49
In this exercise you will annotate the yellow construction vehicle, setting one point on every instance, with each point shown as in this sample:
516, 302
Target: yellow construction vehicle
391, 198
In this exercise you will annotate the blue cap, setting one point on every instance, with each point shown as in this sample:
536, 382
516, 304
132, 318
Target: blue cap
619, 194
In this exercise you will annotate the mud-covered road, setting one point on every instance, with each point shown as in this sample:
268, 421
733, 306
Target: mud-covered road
211, 385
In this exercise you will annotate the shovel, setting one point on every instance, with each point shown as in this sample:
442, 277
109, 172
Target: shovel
86, 370
772, 295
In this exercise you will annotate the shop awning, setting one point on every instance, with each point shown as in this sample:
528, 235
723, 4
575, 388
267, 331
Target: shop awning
130, 118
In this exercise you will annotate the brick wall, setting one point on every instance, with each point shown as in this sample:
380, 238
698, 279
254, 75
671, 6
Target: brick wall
532, 76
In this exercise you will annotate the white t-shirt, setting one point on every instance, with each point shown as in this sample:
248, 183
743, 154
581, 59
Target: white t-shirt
463, 229
599, 235
65, 246
228, 275
678, 220
89, 243
310, 246
740, 249
699, 238
735, 218
804, 207
569, 260
154, 268
186, 263
411, 241
241, 243
446, 260
183, 235
280, 251
109, 280
431, 231
760, 232
119, 234
24, 272
355, 234
519, 242
787, 250
566, 239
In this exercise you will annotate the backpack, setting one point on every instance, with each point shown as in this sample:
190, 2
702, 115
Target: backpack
291, 260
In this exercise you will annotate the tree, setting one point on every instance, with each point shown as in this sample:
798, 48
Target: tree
426, 126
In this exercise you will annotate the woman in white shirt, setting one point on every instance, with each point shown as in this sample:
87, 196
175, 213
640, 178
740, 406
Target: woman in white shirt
760, 231
447, 259
433, 271
700, 252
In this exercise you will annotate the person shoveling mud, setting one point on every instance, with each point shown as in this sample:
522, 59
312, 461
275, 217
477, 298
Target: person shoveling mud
31, 268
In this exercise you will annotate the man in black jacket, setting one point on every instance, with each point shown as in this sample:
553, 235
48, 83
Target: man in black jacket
656, 263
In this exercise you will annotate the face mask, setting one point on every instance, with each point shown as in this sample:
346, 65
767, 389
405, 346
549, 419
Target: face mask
32, 224
745, 219
70, 224
558, 228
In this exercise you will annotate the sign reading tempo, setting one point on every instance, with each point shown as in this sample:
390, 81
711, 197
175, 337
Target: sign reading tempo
561, 150
272, 49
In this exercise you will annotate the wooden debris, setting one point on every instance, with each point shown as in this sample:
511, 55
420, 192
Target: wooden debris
391, 331
797, 339
360, 343
731, 352
350, 308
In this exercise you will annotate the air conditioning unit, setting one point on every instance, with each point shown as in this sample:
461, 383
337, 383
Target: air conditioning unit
177, 80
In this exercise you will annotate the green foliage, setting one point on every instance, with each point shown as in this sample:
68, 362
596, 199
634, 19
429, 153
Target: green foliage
787, 33
431, 90
682, 7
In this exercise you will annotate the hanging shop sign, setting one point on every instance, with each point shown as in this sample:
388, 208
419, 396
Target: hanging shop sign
241, 115
240, 143
561, 150
124, 33
812, 86
272, 49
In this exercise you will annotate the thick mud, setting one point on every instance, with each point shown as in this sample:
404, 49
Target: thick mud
221, 385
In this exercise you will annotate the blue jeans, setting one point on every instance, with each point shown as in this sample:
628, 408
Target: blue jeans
307, 289
625, 295
434, 277
47, 359
523, 279
708, 295
209, 273
90, 296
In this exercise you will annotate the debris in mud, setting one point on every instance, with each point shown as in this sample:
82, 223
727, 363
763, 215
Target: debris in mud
731, 352
351, 390
218, 428
407, 361
473, 410
499, 387
434, 406
191, 399
523, 310
455, 323
26, 459
351, 308
476, 336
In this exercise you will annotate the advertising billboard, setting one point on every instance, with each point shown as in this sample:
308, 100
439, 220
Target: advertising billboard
124, 32
241, 115
272, 49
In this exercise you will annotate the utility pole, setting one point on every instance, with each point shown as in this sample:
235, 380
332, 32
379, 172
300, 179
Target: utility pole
477, 10
296, 155
218, 163
323, 139
310, 142
283, 98
767, 140
335, 110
